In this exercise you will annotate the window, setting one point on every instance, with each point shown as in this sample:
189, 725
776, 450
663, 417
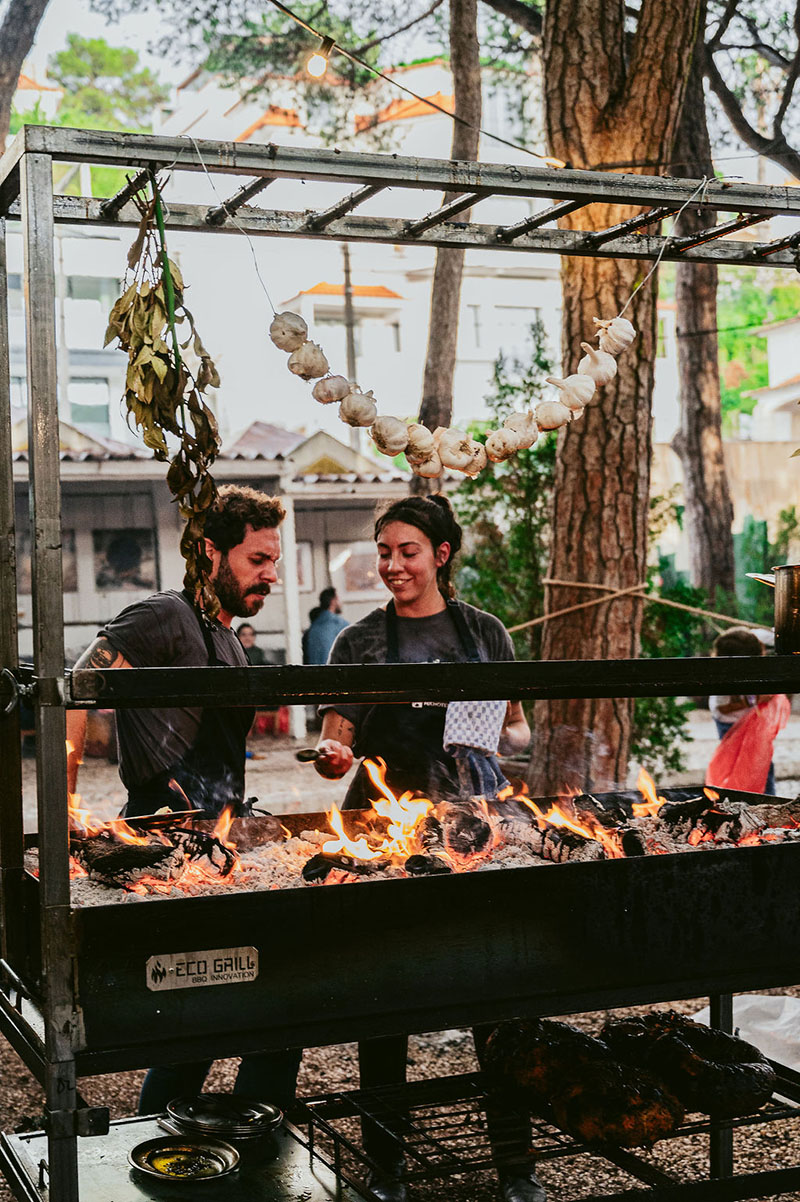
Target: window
337, 320
513, 326
354, 570
124, 559
88, 403
475, 314
93, 288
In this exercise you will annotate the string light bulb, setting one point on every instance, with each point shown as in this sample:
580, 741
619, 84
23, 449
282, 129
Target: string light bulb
317, 64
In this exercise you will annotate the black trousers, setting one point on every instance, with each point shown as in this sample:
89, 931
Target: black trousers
382, 1062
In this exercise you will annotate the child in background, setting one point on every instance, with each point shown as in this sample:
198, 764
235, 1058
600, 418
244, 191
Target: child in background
728, 710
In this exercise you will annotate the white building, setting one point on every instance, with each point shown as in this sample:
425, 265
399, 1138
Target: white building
776, 415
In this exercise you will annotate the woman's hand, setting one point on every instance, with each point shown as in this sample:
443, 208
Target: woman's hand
334, 760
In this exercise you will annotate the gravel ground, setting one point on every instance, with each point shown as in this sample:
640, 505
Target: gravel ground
284, 786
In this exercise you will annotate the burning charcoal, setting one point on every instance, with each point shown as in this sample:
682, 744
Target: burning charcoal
426, 866
318, 867
468, 834
633, 842
119, 863
198, 843
249, 832
559, 845
429, 835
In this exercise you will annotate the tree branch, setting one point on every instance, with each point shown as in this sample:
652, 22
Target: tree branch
361, 50
524, 15
724, 22
777, 149
786, 99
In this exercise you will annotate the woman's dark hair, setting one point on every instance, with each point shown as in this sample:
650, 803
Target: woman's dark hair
434, 517
738, 641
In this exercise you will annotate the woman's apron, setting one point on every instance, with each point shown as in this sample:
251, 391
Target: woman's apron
409, 737
210, 775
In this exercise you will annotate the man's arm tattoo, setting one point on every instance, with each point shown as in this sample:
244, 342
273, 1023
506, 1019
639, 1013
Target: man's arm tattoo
101, 655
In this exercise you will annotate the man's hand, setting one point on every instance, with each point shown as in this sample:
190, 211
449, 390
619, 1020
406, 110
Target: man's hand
334, 760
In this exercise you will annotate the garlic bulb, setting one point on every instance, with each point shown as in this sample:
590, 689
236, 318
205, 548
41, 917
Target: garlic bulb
478, 461
330, 388
576, 391
525, 427
599, 365
288, 331
616, 334
358, 409
421, 443
308, 361
428, 467
390, 435
502, 444
455, 449
551, 414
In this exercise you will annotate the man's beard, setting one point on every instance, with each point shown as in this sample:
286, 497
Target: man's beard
231, 596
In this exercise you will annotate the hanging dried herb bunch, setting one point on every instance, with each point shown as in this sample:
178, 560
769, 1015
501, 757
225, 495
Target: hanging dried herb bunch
163, 393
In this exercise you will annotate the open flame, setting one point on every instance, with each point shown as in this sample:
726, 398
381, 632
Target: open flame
652, 802
587, 828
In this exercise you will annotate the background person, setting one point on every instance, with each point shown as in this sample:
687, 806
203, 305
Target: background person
202, 749
324, 628
417, 539
728, 709
247, 637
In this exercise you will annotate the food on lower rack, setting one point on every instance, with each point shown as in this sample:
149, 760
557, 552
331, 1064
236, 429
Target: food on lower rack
617, 1104
709, 1071
564, 1074
537, 1057
180, 1161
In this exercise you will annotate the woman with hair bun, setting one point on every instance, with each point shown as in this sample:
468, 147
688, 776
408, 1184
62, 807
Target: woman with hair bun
417, 540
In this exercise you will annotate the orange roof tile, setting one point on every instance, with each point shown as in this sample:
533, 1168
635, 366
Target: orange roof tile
26, 84
326, 289
401, 110
273, 116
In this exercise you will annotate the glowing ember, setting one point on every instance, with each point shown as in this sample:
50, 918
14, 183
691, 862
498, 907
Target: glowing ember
587, 828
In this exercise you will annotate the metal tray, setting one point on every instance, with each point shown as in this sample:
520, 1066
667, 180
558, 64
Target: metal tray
191, 1160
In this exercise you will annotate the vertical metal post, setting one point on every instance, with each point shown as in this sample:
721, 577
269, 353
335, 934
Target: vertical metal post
720, 1148
48, 647
291, 599
12, 939
350, 333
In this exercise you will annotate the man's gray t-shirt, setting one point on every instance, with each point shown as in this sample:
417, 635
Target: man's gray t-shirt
162, 632
432, 639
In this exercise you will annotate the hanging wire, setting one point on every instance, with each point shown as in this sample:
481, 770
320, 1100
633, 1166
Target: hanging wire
545, 158
701, 188
232, 217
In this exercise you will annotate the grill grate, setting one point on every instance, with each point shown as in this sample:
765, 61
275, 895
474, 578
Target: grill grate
441, 1131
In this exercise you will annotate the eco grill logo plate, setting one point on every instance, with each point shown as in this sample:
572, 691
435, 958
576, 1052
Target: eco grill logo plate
188, 970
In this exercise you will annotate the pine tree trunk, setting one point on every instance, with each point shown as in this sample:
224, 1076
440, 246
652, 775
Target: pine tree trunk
604, 104
709, 509
437, 387
17, 32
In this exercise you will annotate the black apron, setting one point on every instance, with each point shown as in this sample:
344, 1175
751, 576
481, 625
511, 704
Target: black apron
210, 775
409, 737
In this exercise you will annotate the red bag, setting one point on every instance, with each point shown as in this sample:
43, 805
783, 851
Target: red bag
744, 755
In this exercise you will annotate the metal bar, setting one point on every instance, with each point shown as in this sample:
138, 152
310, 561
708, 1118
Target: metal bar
507, 233
220, 214
444, 213
48, 643
525, 679
112, 205
650, 1174
769, 1184
720, 1140
12, 938
600, 237
319, 221
440, 175
770, 248
713, 232
392, 230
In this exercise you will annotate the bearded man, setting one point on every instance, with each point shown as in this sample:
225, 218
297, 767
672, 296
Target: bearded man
189, 758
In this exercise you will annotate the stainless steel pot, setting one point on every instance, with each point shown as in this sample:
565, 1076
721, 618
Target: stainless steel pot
786, 582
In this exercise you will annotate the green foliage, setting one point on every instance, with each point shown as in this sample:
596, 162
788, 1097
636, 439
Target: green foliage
506, 509
755, 553
104, 88
747, 299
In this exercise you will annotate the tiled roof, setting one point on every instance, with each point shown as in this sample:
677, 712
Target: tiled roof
774, 387
326, 289
261, 440
402, 110
26, 84
274, 115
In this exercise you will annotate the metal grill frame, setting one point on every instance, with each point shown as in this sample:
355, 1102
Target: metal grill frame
26, 192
